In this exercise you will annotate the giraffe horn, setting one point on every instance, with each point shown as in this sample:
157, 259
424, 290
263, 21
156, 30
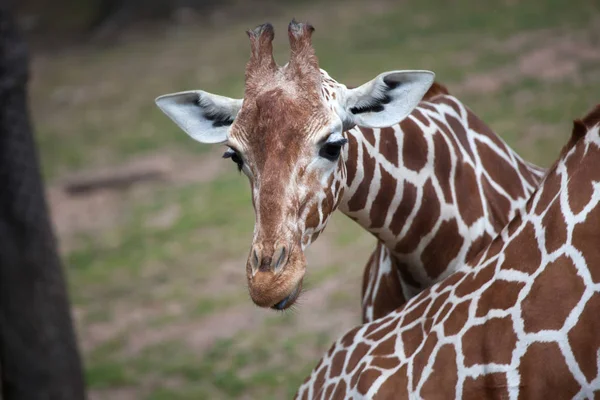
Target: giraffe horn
303, 57
261, 45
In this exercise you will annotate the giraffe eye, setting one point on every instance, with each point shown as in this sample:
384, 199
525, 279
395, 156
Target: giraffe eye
331, 150
235, 157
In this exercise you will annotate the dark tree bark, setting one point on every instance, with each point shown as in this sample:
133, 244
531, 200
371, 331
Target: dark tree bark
39, 358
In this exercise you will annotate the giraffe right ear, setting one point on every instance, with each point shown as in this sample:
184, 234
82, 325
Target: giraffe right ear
385, 100
204, 116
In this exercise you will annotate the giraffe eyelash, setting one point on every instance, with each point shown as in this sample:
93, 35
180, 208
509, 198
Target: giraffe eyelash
235, 157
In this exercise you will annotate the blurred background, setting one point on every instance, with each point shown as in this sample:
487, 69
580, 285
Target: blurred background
154, 228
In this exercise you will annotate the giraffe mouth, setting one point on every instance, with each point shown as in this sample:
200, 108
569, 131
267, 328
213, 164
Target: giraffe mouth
290, 299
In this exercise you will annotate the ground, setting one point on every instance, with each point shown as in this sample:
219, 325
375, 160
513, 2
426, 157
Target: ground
156, 270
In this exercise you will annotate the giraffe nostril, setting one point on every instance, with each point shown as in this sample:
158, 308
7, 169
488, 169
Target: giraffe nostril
255, 259
279, 258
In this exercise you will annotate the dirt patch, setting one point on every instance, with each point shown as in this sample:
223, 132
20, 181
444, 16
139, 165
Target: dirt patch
101, 209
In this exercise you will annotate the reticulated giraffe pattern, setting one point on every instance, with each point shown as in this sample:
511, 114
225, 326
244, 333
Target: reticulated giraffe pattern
520, 321
434, 189
407, 161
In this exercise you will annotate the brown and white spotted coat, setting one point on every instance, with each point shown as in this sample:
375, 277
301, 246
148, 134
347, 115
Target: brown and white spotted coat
427, 178
520, 321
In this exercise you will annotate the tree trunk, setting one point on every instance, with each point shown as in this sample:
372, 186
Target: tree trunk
39, 358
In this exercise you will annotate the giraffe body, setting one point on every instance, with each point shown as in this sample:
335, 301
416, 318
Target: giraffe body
427, 178
518, 321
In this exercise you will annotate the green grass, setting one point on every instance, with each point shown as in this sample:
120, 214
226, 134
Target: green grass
163, 310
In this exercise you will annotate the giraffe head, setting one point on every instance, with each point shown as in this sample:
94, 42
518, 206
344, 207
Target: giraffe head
287, 136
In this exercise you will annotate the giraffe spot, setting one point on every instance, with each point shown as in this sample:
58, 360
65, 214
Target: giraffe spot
468, 197
555, 230
385, 362
320, 380
497, 204
545, 373
424, 220
381, 332
419, 116
305, 395
522, 252
337, 363
477, 125
368, 134
442, 164
440, 299
329, 390
409, 198
422, 357
443, 312
356, 374
584, 338
589, 248
489, 386
442, 249
418, 311
348, 338
340, 391
313, 219
500, 295
388, 145
500, 171
359, 352
359, 198
373, 326
491, 342
460, 133
475, 280
352, 161
394, 387
414, 148
385, 348
445, 131
412, 339
450, 102
476, 247
428, 107
366, 380
381, 204
559, 280
457, 319
444, 374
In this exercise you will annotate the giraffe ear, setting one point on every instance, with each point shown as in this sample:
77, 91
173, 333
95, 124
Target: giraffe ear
387, 99
204, 116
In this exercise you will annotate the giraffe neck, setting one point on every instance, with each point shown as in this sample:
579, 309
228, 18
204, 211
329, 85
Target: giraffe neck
424, 188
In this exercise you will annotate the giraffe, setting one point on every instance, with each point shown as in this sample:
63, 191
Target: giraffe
518, 321
408, 162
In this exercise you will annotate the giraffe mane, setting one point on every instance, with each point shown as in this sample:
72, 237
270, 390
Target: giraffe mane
580, 128
437, 89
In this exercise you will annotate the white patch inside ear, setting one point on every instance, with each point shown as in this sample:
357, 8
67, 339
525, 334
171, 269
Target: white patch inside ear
204, 116
387, 99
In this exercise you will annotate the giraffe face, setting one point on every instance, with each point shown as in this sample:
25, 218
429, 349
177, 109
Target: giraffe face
286, 136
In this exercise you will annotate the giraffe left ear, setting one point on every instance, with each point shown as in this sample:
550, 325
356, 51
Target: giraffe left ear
387, 99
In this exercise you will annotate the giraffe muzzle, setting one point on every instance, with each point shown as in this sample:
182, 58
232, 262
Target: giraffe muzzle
275, 277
